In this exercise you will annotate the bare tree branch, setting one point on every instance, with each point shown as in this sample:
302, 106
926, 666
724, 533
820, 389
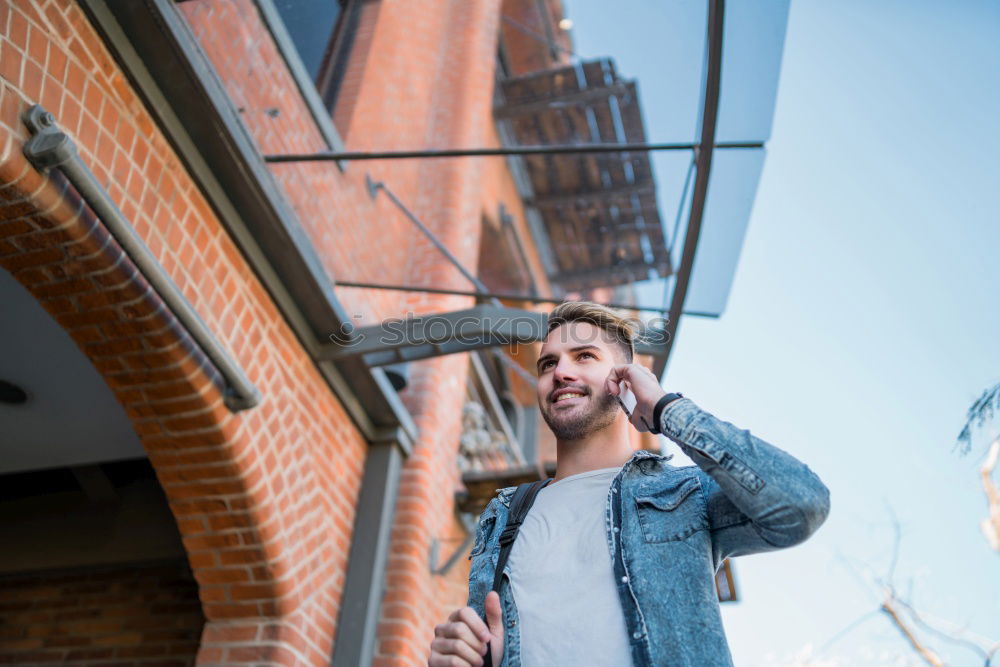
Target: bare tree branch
889, 607
902, 613
950, 636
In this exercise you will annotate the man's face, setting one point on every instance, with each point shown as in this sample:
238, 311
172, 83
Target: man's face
573, 366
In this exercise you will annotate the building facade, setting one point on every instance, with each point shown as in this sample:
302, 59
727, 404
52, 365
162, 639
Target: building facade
232, 481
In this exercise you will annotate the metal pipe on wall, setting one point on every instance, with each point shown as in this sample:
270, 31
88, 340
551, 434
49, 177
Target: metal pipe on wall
51, 148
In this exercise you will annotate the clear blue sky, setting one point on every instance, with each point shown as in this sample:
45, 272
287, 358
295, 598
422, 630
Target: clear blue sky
865, 314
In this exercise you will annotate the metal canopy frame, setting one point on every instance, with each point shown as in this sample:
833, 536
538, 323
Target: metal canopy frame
486, 325
703, 168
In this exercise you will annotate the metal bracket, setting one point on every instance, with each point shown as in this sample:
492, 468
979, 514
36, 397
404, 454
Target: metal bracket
373, 186
49, 146
469, 523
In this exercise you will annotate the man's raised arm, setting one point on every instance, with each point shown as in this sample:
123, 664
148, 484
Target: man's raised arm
760, 498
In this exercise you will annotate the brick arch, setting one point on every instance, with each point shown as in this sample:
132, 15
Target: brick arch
265, 538
58, 250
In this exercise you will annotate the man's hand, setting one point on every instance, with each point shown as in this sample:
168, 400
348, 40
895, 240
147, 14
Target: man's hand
462, 639
644, 385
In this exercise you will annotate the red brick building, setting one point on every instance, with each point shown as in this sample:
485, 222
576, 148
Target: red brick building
207, 456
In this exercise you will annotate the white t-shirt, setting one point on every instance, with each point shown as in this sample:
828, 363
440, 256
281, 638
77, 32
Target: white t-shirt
562, 579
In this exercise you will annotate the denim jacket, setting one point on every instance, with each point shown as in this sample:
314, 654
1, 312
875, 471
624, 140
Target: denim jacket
668, 530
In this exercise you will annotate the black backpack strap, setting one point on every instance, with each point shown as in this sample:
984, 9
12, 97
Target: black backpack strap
524, 498
520, 504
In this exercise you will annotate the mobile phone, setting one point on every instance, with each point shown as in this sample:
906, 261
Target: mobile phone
626, 398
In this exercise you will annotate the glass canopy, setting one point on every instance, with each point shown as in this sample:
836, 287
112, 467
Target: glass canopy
632, 134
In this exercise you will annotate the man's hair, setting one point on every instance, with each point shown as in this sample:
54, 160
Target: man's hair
620, 329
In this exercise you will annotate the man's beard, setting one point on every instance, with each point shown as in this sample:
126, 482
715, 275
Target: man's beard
600, 414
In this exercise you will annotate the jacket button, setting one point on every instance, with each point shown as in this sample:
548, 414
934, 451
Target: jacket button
636, 635
617, 529
624, 580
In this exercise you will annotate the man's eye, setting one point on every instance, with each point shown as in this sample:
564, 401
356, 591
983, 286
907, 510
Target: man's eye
586, 354
545, 365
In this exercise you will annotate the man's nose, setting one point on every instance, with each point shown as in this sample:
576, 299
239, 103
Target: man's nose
563, 373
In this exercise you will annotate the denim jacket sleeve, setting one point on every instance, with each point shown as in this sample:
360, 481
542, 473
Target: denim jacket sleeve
759, 497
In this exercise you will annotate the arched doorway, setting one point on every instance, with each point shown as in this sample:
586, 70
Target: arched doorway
93, 566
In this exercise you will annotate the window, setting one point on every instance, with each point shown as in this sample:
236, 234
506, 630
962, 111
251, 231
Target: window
322, 32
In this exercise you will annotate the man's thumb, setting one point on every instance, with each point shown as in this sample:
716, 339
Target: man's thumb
494, 615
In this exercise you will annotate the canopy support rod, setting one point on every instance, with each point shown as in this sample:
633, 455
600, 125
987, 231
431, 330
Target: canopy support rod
507, 150
373, 189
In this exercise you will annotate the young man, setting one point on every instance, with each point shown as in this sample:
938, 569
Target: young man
615, 562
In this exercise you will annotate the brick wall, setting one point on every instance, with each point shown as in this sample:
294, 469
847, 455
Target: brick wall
146, 616
529, 25
265, 499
